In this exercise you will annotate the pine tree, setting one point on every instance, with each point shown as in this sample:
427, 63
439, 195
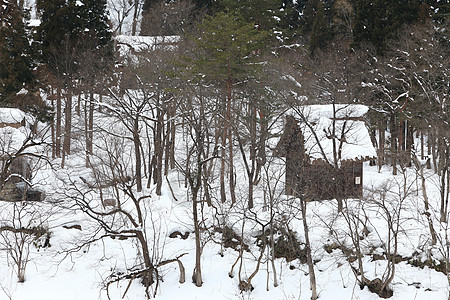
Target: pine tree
203, 3
16, 55
95, 21
71, 26
148, 4
377, 20
308, 13
75, 45
227, 44
229, 51
278, 17
320, 31
59, 25
440, 10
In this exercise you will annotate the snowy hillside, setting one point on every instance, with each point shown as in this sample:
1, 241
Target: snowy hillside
275, 150
73, 265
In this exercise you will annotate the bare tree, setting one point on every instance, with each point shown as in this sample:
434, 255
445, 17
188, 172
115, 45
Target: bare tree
137, 8
120, 11
127, 215
22, 221
145, 104
366, 227
199, 116
22, 226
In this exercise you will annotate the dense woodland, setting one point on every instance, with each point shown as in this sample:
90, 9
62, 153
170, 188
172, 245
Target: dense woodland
203, 100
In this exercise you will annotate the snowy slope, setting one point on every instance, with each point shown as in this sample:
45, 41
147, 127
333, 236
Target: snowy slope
70, 270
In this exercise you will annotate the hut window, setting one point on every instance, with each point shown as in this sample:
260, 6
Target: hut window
357, 180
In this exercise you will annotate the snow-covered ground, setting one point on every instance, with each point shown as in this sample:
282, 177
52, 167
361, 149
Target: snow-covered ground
69, 269
52, 273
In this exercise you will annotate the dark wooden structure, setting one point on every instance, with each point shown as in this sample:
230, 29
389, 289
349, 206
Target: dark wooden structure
12, 117
316, 179
15, 170
14, 186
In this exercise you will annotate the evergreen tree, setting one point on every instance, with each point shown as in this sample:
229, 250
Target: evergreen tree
72, 26
320, 31
172, 18
59, 25
439, 9
227, 45
75, 45
308, 11
148, 4
94, 24
203, 3
16, 55
377, 20
278, 17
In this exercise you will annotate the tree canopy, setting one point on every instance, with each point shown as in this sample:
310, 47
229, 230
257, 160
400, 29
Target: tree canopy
16, 54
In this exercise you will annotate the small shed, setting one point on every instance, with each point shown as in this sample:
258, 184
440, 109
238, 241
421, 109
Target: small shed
15, 170
325, 147
12, 117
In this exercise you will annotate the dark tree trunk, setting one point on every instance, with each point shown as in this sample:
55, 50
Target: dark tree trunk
91, 123
310, 262
58, 122
429, 152
197, 274
148, 280
135, 17
409, 144
137, 153
381, 144
68, 124
394, 144
159, 148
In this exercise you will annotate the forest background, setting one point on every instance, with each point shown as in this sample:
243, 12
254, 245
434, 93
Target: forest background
201, 103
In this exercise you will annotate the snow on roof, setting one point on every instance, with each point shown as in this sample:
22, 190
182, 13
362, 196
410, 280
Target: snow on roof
352, 140
34, 22
11, 115
126, 43
340, 110
12, 139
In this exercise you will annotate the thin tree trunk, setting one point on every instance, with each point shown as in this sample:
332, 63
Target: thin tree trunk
52, 128
312, 276
230, 142
68, 124
427, 212
167, 148
150, 160
394, 144
91, 123
444, 198
86, 134
429, 141
78, 106
137, 153
381, 143
409, 142
223, 196
159, 148
58, 122
422, 155
148, 280
434, 149
135, 17
197, 275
